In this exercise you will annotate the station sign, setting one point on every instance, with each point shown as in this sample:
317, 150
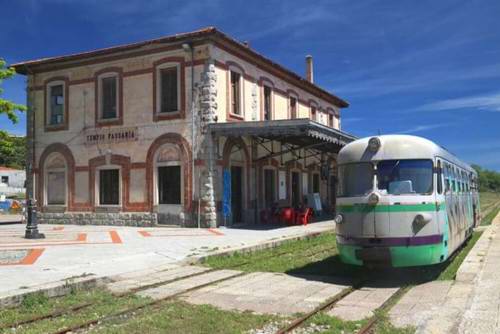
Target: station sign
110, 136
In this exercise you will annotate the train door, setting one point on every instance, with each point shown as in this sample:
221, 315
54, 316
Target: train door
440, 191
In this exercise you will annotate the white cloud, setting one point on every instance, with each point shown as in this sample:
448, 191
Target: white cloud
481, 102
422, 128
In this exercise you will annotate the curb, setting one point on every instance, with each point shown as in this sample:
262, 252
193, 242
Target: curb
14, 298
473, 262
252, 248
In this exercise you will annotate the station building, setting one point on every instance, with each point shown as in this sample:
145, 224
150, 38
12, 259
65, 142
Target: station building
194, 128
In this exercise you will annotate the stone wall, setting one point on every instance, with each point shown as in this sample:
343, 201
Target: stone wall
143, 219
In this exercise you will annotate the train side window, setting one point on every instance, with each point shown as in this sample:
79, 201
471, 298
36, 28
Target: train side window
439, 178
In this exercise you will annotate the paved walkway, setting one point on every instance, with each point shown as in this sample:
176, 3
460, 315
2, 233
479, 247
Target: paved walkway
470, 304
70, 251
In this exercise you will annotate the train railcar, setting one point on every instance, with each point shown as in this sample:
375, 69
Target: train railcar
403, 201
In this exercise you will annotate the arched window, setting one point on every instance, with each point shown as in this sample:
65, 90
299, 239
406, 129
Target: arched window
55, 180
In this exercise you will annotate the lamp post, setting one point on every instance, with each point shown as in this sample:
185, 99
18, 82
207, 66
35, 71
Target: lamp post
32, 225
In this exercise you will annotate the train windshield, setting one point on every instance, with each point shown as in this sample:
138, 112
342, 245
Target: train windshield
397, 177
355, 179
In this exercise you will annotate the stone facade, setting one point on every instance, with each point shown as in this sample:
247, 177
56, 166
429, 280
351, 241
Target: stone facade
117, 219
135, 143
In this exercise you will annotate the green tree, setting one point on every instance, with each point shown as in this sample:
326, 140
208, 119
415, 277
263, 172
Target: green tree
488, 180
7, 107
12, 149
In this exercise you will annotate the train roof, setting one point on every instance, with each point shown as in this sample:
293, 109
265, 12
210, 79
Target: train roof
397, 147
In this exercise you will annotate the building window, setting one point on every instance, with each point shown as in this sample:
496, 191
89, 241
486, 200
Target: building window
109, 97
315, 183
56, 187
313, 114
330, 120
56, 104
267, 103
109, 187
169, 185
5, 179
55, 180
169, 90
269, 187
235, 93
293, 107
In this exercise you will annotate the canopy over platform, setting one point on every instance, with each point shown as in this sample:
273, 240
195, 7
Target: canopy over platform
296, 134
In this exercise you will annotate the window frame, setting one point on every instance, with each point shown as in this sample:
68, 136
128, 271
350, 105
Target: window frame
159, 69
49, 83
295, 110
240, 93
98, 186
99, 100
264, 87
158, 65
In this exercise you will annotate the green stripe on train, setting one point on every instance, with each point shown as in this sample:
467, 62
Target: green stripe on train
388, 208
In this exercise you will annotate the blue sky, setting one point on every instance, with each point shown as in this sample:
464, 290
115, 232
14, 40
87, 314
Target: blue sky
429, 68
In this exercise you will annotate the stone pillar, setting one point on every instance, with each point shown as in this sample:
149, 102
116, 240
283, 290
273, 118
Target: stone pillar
208, 112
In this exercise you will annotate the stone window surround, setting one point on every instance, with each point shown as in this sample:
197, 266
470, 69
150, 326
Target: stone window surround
232, 66
46, 87
98, 76
181, 82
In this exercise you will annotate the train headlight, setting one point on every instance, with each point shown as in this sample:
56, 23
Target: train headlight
373, 199
339, 219
374, 144
422, 218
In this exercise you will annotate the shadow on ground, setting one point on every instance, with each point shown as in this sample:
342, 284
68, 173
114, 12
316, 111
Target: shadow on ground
332, 270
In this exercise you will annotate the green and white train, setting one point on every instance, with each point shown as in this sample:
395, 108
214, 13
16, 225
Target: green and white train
403, 201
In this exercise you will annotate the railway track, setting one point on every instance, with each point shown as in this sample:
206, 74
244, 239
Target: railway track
80, 307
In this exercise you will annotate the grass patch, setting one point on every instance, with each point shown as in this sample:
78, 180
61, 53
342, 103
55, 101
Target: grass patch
181, 317
286, 257
333, 324
105, 303
384, 326
490, 216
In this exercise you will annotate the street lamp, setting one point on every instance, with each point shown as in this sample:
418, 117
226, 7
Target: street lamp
32, 225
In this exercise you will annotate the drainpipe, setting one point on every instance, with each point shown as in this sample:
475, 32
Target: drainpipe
188, 47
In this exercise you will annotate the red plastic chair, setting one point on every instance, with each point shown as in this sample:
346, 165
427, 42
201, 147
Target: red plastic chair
304, 217
287, 215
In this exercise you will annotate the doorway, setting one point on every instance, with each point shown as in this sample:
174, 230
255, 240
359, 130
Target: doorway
295, 189
237, 193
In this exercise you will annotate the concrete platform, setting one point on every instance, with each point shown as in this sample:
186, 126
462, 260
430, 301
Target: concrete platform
271, 293
470, 304
361, 303
103, 251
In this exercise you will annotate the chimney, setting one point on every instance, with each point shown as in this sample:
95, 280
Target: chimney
309, 69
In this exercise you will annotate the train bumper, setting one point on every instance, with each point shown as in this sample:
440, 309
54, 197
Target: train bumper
393, 256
